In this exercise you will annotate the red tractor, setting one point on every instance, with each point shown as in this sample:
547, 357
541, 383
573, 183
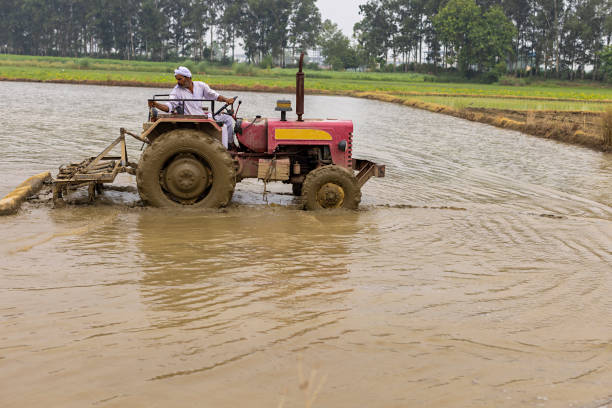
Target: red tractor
185, 163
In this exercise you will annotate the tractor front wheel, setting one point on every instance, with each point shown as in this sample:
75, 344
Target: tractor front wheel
185, 167
331, 187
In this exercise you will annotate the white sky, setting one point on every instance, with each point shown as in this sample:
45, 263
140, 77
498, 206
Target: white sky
345, 13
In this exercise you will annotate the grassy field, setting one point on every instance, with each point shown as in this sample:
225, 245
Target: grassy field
399, 84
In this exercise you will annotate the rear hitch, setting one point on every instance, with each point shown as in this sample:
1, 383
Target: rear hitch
367, 170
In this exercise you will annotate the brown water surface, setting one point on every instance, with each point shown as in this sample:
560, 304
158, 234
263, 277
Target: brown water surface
476, 274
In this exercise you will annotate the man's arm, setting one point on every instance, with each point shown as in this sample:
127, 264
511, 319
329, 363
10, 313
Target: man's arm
210, 94
160, 106
222, 98
168, 106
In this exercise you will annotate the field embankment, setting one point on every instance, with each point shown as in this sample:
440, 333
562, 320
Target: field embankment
568, 112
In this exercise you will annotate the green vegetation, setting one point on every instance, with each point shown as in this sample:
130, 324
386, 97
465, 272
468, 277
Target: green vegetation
606, 59
543, 38
537, 95
476, 38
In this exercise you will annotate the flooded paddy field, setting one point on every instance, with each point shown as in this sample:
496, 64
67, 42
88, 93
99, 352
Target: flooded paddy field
478, 273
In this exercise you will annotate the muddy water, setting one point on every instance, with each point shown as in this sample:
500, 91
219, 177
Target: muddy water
477, 274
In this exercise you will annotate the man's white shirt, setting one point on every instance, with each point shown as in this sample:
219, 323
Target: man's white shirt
201, 90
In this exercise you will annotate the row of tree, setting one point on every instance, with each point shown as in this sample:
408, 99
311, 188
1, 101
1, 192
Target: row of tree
157, 29
558, 36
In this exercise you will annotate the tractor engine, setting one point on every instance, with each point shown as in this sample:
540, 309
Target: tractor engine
292, 148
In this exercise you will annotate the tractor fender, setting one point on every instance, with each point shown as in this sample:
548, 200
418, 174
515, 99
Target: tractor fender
163, 125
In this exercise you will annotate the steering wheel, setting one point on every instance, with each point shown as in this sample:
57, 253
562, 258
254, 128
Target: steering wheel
228, 108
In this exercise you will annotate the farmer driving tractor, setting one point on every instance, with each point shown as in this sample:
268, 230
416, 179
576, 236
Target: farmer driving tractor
185, 164
186, 88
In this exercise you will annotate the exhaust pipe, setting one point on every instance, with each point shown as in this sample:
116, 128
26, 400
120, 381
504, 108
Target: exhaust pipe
299, 91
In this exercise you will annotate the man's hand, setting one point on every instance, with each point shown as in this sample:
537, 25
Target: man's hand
153, 104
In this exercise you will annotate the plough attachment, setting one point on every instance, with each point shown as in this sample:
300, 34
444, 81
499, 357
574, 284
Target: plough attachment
95, 171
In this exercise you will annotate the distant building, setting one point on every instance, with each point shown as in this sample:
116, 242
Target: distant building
310, 56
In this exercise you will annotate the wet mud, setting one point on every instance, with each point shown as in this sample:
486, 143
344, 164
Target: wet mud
475, 274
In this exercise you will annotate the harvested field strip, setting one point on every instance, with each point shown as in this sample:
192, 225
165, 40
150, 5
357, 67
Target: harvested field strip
606, 127
498, 97
570, 127
517, 103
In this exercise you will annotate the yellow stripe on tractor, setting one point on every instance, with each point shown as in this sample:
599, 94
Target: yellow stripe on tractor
301, 134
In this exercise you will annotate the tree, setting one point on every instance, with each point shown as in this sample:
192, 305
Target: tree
478, 39
230, 17
606, 62
197, 21
336, 47
263, 27
410, 21
36, 21
460, 25
278, 39
566, 37
304, 25
151, 24
432, 36
607, 24
499, 32
519, 12
375, 30
549, 18
177, 12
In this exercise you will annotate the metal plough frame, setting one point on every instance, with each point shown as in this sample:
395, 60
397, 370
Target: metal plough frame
95, 171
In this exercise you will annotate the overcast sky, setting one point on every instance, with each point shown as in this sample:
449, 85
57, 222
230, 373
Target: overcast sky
345, 13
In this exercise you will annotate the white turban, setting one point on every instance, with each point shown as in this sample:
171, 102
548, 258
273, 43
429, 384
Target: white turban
182, 71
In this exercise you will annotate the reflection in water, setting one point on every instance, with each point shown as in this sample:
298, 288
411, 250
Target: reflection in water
249, 277
476, 274
245, 254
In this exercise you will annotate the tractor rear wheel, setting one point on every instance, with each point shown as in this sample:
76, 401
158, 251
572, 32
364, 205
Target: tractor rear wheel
331, 187
186, 167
